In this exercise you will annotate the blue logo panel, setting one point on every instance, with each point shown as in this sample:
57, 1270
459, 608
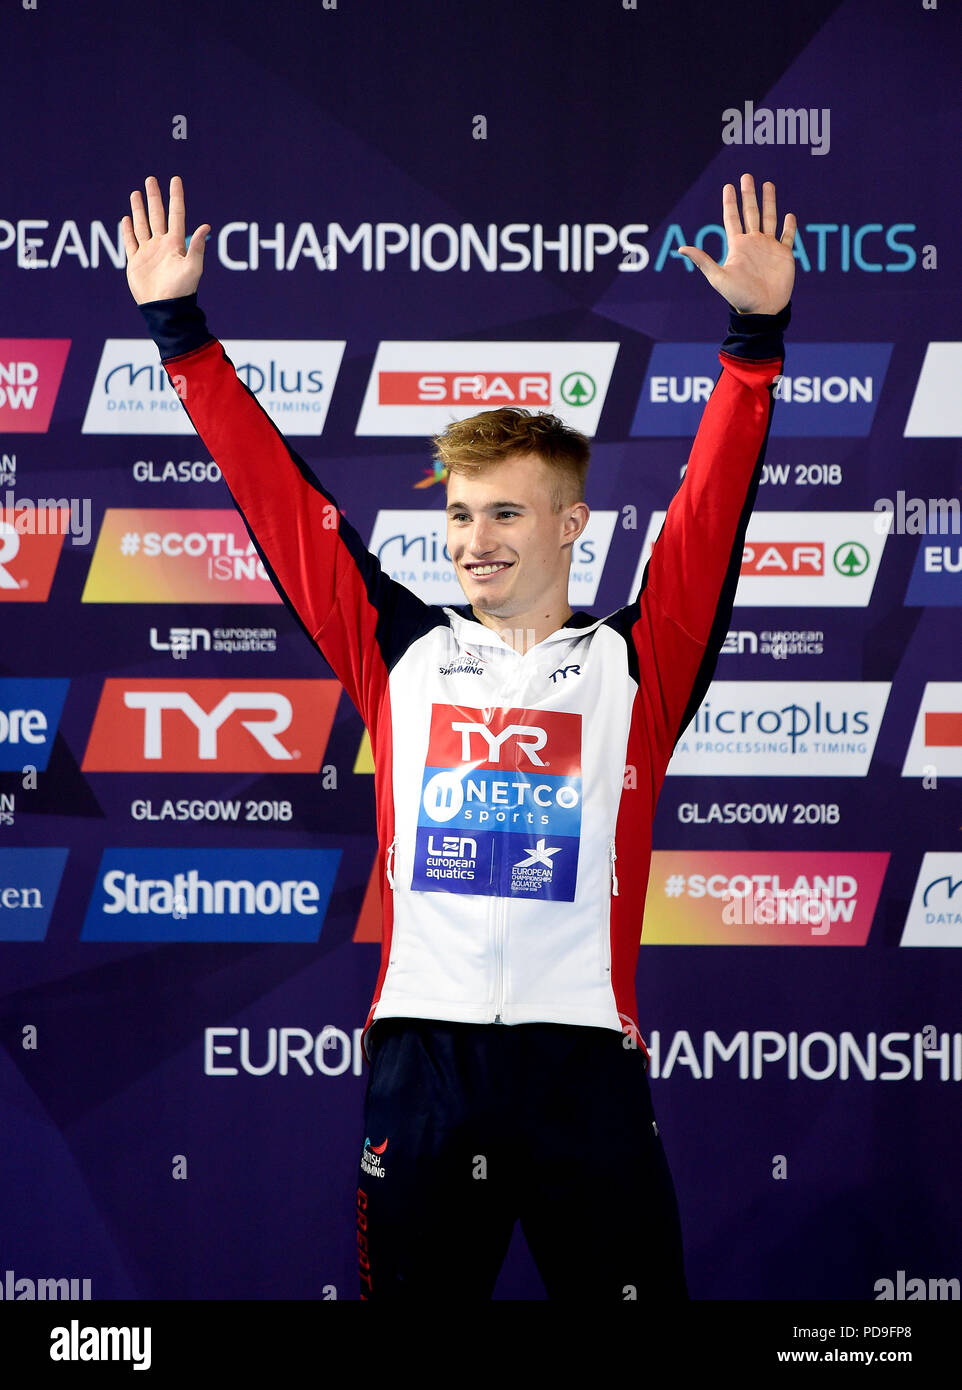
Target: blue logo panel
501, 834
827, 390
936, 580
211, 895
29, 880
30, 711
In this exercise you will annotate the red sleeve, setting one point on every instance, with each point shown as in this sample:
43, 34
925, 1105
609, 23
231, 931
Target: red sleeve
358, 617
678, 622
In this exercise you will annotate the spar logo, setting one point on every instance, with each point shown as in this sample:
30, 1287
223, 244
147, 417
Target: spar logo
211, 895
758, 898
832, 389
132, 393
211, 725
935, 748
411, 547
798, 559
782, 728
176, 555
505, 787
29, 880
417, 388
30, 712
30, 374
371, 1159
29, 555
935, 912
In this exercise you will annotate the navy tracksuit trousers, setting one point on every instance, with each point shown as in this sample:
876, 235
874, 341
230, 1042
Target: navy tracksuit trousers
470, 1127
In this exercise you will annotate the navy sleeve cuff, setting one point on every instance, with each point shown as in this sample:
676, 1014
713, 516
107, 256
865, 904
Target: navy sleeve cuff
757, 336
176, 325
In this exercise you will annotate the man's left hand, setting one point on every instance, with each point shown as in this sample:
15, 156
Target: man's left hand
759, 270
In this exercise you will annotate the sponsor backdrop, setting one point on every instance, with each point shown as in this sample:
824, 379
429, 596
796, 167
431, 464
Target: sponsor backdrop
418, 212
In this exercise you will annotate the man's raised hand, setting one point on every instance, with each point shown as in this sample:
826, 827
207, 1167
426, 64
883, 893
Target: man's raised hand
759, 270
159, 263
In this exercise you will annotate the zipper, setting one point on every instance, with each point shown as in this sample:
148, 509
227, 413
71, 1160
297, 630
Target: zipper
499, 939
389, 862
606, 940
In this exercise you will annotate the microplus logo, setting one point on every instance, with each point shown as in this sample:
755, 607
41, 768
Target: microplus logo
132, 393
211, 895
830, 390
935, 913
782, 728
411, 546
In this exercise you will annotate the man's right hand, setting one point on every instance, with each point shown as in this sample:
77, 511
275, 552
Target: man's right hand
159, 263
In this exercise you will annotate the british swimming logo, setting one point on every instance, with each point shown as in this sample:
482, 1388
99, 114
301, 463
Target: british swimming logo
371, 1160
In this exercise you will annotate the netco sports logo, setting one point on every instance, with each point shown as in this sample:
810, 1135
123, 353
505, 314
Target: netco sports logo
160, 555
761, 898
799, 559
831, 389
500, 810
211, 895
132, 393
30, 373
417, 388
211, 726
30, 712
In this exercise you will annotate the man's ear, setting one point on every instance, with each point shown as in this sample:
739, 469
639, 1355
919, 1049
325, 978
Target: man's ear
575, 520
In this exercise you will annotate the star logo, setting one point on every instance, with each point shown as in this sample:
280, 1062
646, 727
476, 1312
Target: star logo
539, 855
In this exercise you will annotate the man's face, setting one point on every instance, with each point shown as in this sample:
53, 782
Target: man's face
509, 547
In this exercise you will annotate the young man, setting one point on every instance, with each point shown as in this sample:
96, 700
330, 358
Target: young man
507, 1074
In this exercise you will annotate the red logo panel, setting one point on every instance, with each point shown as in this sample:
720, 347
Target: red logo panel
529, 740
211, 726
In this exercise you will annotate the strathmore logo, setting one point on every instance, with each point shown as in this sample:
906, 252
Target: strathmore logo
211, 725
30, 373
417, 388
132, 393
799, 559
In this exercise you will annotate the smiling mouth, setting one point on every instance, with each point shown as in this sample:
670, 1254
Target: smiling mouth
483, 571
